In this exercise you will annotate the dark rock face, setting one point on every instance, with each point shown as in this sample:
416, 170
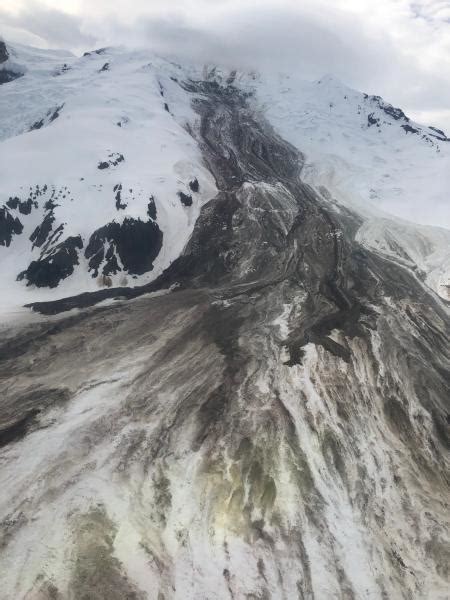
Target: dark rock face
25, 207
151, 208
100, 51
42, 231
136, 242
37, 125
6, 75
409, 129
113, 160
372, 120
3, 52
398, 115
194, 185
9, 226
51, 116
118, 190
112, 266
440, 134
54, 114
301, 381
51, 268
395, 113
185, 199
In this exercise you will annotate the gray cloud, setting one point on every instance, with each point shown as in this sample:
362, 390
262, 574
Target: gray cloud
56, 27
272, 38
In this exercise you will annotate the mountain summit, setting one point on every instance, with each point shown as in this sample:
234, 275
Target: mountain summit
231, 376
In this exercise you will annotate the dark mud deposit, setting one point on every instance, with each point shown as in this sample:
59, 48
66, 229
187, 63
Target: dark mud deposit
275, 427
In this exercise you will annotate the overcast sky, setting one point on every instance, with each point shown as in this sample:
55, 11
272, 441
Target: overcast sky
398, 49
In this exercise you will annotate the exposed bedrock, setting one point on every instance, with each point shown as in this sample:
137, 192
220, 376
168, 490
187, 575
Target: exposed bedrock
6, 74
137, 244
10, 226
3, 52
25, 207
55, 265
275, 428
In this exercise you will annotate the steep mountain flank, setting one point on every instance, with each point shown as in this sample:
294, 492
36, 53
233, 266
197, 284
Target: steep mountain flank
268, 419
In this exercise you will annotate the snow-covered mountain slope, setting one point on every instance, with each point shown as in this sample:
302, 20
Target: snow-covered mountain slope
101, 182
269, 418
363, 149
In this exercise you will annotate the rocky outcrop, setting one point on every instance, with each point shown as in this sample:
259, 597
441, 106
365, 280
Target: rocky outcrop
9, 226
136, 243
3, 52
55, 265
114, 159
52, 115
7, 72
185, 199
24, 206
